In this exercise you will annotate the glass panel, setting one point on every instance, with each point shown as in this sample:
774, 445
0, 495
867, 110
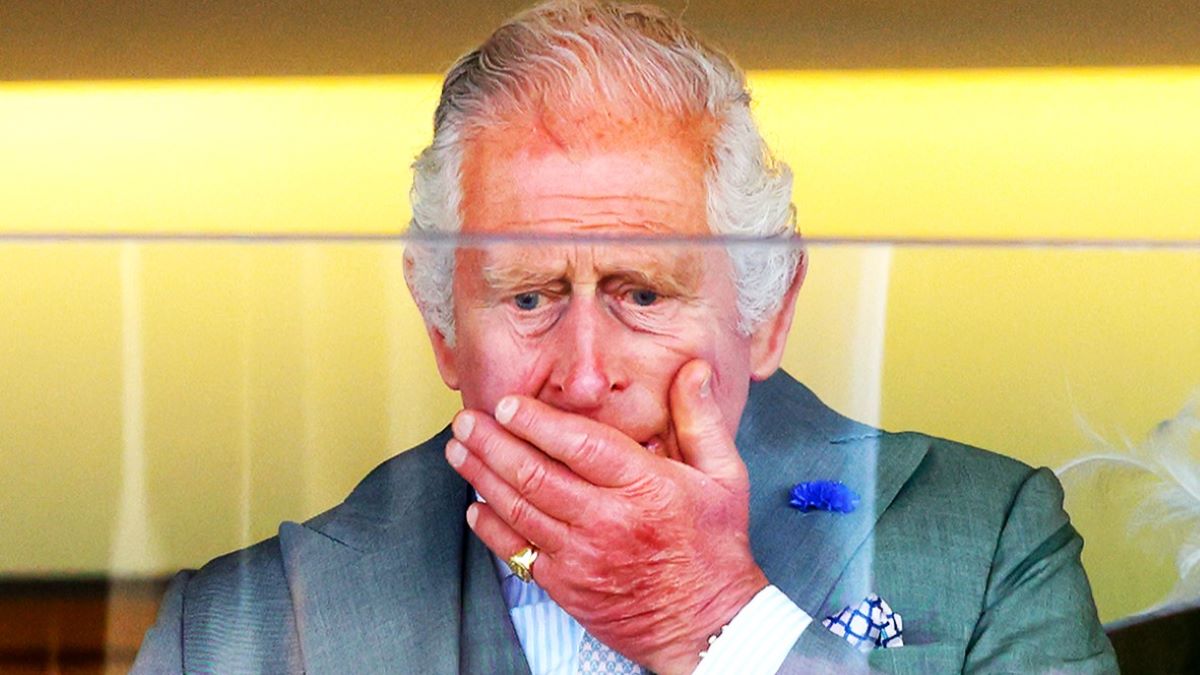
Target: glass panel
171, 400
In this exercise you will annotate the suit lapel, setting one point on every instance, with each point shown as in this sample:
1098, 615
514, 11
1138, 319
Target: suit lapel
791, 437
393, 580
378, 610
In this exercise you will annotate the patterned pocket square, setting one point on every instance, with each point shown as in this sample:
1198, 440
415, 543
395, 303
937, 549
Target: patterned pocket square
869, 626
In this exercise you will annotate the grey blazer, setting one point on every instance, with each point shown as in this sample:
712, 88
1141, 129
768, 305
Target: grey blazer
971, 548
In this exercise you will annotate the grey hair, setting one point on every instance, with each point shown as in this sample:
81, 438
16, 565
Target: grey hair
585, 54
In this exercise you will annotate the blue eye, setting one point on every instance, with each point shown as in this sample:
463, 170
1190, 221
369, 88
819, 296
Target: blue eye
527, 301
643, 297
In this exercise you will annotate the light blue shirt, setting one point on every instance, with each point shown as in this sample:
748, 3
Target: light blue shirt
757, 640
549, 636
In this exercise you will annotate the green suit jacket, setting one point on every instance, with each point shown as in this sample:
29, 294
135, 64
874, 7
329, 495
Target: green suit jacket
971, 548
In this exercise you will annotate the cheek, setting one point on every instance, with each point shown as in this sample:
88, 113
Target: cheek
495, 363
731, 395
659, 359
731, 380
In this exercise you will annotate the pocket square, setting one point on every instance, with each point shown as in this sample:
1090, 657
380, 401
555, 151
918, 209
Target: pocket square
871, 625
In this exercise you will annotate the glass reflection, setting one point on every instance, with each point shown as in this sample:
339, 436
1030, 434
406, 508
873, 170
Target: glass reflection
171, 401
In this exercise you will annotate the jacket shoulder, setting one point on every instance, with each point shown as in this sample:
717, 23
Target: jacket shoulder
961, 499
237, 614
234, 614
998, 552
974, 476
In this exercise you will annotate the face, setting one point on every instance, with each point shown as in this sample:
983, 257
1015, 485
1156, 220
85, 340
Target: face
591, 328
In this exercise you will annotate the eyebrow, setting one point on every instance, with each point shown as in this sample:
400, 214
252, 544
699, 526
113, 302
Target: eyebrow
680, 276
515, 275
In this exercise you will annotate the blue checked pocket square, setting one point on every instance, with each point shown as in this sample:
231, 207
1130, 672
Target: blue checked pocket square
869, 626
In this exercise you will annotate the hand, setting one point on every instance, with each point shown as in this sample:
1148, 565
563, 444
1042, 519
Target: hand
649, 554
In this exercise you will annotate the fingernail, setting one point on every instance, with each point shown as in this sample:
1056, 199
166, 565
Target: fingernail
472, 515
456, 453
462, 425
505, 409
706, 384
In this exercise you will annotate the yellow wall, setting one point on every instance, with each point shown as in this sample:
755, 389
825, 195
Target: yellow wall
1069, 153
167, 402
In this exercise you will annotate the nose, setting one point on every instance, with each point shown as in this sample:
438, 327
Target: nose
588, 368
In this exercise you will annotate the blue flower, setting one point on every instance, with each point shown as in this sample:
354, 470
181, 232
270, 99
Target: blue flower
823, 495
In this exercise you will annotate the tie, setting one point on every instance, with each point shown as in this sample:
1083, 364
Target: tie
596, 657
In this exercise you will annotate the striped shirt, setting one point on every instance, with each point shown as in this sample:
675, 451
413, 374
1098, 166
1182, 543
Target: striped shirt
757, 640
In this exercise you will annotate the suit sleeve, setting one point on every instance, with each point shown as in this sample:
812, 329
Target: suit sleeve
1038, 613
162, 647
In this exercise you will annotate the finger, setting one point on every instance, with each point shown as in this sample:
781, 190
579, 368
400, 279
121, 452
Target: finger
530, 523
546, 483
501, 539
704, 440
597, 452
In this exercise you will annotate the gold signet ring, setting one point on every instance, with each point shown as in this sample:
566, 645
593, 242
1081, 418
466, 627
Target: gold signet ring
521, 563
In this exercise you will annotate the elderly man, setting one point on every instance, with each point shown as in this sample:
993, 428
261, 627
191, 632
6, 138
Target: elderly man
614, 495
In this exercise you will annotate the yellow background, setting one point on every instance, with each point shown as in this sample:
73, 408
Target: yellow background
167, 402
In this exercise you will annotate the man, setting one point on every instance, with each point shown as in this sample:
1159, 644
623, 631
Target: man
611, 445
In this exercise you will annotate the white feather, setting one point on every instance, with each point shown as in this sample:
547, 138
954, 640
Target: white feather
1169, 459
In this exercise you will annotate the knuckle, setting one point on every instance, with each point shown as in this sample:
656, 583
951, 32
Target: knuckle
537, 426
531, 476
607, 523
584, 447
526, 418
520, 513
489, 444
652, 492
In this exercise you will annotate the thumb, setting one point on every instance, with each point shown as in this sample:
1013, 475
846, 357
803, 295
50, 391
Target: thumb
704, 440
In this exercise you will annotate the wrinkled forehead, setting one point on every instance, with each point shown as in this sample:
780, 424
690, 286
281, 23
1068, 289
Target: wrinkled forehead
588, 199
617, 174
670, 267
558, 126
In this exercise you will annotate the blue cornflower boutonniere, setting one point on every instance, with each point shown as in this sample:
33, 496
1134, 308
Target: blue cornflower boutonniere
823, 495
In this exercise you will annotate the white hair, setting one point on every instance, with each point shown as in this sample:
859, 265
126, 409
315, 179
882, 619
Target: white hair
587, 55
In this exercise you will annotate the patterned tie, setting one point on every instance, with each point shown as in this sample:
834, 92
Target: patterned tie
597, 657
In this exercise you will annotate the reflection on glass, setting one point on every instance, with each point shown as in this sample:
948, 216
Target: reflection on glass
171, 401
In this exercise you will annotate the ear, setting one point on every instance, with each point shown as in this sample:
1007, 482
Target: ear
444, 354
768, 340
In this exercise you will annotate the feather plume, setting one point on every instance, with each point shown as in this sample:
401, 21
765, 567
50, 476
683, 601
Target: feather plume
1165, 470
